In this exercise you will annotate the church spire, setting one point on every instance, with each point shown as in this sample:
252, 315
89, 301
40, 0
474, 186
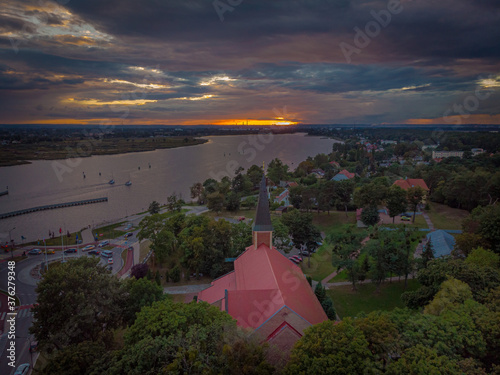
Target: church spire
262, 227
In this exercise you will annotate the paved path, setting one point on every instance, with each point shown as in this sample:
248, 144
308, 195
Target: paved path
394, 278
128, 263
428, 221
87, 236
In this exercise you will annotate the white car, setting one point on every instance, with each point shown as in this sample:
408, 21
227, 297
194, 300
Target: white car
88, 247
103, 243
23, 369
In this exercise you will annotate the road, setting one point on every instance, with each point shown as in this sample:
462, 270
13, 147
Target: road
25, 285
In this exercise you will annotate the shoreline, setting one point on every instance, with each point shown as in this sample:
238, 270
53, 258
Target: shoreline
23, 161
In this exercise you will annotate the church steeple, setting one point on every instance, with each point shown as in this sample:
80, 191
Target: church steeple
262, 227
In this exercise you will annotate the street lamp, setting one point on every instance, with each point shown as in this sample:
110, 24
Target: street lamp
11, 246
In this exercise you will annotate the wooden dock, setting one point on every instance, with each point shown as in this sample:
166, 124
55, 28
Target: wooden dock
52, 206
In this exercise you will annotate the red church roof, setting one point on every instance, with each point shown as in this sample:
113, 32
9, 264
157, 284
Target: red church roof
411, 182
263, 282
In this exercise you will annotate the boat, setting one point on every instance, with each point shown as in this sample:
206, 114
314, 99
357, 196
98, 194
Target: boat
128, 183
111, 182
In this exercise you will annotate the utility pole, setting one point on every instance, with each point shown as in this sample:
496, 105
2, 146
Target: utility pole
10, 241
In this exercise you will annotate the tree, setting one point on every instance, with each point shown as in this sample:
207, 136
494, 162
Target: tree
139, 270
75, 359
422, 360
175, 274
302, 230
370, 216
343, 191
154, 207
197, 191
483, 258
281, 236
77, 301
451, 293
232, 201
320, 292
324, 345
415, 195
396, 201
174, 203
371, 194
215, 202
428, 253
277, 171
465, 242
158, 278
255, 173
139, 293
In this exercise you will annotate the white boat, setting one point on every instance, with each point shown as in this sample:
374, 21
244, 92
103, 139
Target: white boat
128, 183
111, 182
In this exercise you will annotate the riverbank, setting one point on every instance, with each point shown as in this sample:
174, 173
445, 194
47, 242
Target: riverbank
22, 153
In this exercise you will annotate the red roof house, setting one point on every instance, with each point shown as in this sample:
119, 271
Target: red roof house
411, 182
266, 293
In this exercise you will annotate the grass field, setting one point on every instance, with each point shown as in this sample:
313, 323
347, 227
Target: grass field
333, 223
350, 303
56, 241
249, 214
144, 250
444, 217
321, 263
110, 231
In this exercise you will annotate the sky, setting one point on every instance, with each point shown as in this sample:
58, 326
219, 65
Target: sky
253, 62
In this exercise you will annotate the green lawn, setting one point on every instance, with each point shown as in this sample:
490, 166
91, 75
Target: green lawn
56, 241
321, 263
109, 231
350, 303
444, 217
249, 214
335, 222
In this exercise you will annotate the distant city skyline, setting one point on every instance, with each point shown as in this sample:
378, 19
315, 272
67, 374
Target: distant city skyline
249, 62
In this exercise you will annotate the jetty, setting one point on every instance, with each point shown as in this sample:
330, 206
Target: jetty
52, 206
4, 192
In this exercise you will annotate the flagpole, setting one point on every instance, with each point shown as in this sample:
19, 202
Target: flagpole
62, 244
46, 261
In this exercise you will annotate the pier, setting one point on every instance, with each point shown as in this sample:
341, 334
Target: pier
52, 206
4, 192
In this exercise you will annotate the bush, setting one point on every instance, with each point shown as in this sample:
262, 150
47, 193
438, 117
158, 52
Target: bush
175, 274
139, 271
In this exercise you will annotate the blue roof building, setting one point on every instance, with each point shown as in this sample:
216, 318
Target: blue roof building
442, 243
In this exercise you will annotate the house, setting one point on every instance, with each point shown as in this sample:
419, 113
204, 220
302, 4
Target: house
267, 294
343, 175
319, 173
334, 164
285, 184
447, 154
411, 182
442, 242
283, 199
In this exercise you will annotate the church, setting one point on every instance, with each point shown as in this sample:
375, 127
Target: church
266, 293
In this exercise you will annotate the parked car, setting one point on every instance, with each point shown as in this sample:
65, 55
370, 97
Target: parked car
294, 260
69, 251
50, 251
103, 243
107, 253
304, 252
35, 252
128, 234
405, 218
88, 247
128, 226
297, 257
23, 369
110, 261
94, 252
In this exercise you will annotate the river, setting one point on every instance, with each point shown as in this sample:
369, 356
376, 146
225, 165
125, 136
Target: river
154, 176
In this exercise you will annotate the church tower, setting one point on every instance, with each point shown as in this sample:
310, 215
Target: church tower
262, 231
